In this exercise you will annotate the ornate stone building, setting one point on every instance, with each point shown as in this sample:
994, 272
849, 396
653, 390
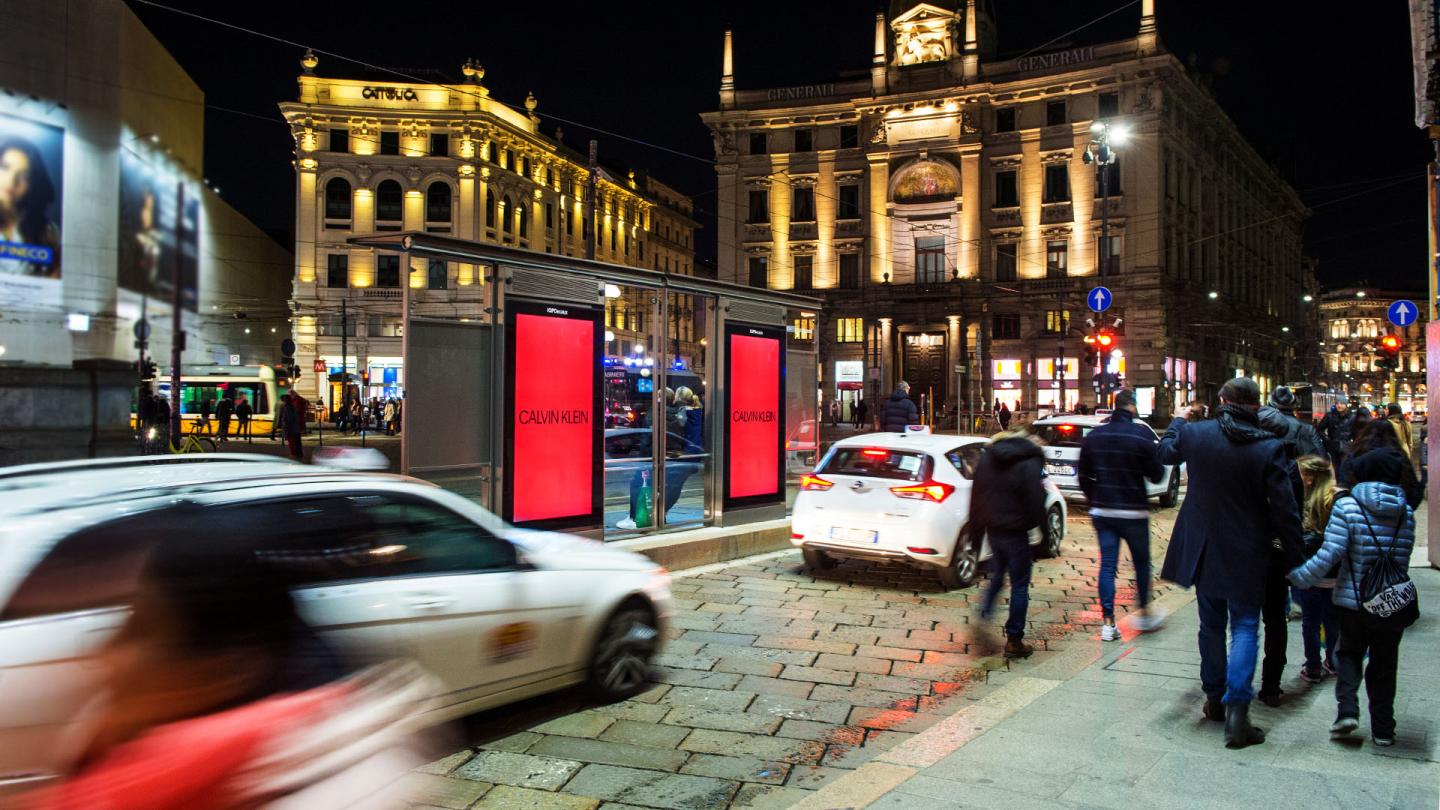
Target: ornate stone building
1352, 321
944, 209
447, 158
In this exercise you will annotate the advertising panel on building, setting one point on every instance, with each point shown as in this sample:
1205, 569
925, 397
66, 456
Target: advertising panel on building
754, 380
32, 165
553, 440
152, 241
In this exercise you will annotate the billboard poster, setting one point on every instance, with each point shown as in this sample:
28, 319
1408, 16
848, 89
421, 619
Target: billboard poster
754, 383
151, 200
32, 168
554, 458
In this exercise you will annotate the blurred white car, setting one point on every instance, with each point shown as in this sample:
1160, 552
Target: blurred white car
390, 566
904, 498
1062, 436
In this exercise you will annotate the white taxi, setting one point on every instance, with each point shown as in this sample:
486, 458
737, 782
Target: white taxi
388, 566
904, 498
1062, 436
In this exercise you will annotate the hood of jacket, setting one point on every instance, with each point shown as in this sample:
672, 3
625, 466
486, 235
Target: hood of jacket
1383, 464
1010, 451
1273, 420
899, 393
1383, 501
1241, 425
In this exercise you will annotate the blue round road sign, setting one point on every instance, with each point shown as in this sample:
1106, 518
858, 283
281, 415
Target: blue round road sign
1099, 299
1403, 312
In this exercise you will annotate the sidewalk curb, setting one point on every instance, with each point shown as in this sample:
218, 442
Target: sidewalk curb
888, 771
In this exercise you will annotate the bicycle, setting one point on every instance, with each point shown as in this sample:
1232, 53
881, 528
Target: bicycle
189, 443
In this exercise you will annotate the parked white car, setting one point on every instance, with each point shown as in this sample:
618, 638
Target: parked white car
1062, 436
394, 567
904, 498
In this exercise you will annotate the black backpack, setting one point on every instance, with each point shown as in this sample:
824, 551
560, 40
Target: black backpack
1385, 594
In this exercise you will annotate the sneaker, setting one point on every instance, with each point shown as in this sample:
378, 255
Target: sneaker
1109, 632
1149, 622
1343, 726
1017, 648
1329, 668
1312, 674
625, 523
1383, 742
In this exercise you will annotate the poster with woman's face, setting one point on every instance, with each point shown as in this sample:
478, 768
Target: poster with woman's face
150, 197
32, 157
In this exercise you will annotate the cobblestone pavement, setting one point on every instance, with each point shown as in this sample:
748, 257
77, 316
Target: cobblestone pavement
773, 682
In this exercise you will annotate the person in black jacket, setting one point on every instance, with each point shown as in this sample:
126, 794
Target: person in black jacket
1338, 429
1007, 500
1116, 460
1239, 500
223, 411
1377, 434
899, 410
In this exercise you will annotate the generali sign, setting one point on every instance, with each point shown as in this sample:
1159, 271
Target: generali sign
1045, 61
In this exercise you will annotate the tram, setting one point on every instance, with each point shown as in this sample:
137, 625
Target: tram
262, 387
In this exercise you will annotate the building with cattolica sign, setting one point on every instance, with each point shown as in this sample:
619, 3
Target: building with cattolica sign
944, 209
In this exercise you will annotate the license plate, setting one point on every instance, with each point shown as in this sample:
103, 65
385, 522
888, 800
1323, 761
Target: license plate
1059, 469
843, 535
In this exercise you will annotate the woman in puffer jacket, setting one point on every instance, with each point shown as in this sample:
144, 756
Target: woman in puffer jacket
1374, 519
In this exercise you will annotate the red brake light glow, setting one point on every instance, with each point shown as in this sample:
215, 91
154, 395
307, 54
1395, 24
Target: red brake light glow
875, 452
1065, 428
815, 483
929, 491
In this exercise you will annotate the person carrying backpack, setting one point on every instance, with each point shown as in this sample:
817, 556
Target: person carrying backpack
1370, 536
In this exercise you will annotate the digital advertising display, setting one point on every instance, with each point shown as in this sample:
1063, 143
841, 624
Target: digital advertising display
755, 386
553, 446
32, 169
151, 198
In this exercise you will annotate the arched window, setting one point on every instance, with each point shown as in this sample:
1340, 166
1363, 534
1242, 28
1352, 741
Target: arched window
337, 199
389, 202
524, 221
435, 275
507, 222
490, 210
437, 202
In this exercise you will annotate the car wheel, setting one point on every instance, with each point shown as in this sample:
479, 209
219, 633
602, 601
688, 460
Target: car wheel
620, 664
817, 560
1054, 533
964, 567
1171, 495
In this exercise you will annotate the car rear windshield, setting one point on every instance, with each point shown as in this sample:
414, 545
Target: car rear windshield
1062, 435
877, 462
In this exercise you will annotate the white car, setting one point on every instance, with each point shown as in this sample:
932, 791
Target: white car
903, 498
1062, 436
396, 568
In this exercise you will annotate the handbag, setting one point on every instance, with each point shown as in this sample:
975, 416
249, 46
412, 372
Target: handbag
1386, 593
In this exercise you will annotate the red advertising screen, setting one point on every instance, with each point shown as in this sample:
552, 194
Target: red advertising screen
553, 454
755, 418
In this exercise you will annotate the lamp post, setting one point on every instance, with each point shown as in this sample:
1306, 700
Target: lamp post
1100, 151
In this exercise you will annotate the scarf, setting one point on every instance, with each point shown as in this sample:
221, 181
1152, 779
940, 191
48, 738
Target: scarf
1241, 425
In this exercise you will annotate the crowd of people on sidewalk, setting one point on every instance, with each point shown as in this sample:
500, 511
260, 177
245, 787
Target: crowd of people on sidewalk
1275, 510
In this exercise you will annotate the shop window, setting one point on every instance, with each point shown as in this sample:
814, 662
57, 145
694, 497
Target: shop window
1057, 258
389, 204
1005, 263
1005, 119
435, 275
1005, 327
387, 271
849, 202
1007, 194
437, 202
804, 140
804, 272
439, 144
337, 199
759, 207
930, 259
339, 140
759, 271
849, 136
1057, 183
803, 209
389, 142
849, 330
804, 329
759, 143
337, 270
1054, 113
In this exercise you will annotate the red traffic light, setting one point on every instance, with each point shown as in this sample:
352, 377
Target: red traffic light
1390, 343
1105, 341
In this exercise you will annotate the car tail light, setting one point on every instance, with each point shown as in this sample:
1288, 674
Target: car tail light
919, 550
796, 536
815, 483
929, 491
875, 451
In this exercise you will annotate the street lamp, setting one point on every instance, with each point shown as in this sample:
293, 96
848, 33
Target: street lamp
1100, 151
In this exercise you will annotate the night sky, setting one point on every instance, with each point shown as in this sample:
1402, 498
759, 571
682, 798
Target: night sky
1325, 97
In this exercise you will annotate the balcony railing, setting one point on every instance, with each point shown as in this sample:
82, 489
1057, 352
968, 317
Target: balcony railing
1056, 213
758, 232
804, 231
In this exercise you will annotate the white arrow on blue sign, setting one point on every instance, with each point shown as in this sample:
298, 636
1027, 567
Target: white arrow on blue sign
1100, 299
1403, 312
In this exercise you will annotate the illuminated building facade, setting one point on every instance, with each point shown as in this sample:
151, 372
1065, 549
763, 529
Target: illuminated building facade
944, 209
376, 156
1352, 321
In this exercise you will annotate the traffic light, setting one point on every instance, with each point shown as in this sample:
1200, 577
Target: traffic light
1105, 341
1389, 353
1092, 354
148, 370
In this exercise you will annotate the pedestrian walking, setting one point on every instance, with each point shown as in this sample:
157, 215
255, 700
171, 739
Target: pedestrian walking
899, 410
1116, 460
834, 413
389, 417
1007, 500
1317, 613
207, 407
162, 418
1380, 434
144, 409
243, 414
223, 413
1337, 429
291, 426
1370, 535
1240, 497
861, 410
1396, 418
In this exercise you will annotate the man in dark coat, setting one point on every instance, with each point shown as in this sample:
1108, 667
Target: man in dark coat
1007, 500
1239, 500
1337, 429
223, 411
899, 410
292, 425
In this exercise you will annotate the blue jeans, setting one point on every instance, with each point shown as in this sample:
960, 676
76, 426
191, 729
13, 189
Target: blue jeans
1136, 534
1231, 678
1317, 611
1009, 554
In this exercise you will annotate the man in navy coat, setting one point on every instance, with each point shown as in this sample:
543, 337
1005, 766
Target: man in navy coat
1238, 503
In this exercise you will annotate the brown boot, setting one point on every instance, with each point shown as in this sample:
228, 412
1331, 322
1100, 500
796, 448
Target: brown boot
1015, 647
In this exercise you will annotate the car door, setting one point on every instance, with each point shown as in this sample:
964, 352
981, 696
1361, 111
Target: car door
964, 460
